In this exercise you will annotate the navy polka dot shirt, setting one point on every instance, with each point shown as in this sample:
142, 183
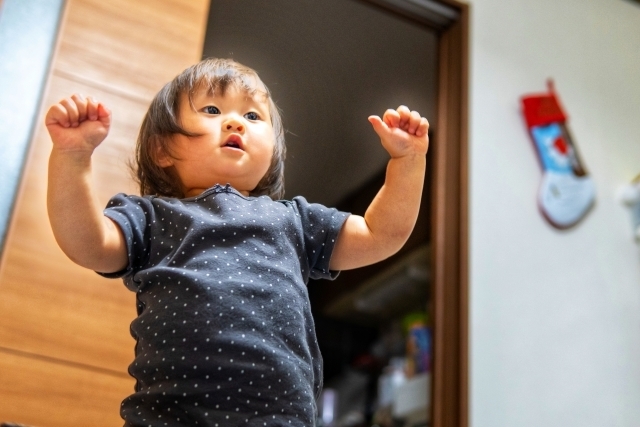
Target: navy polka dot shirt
224, 333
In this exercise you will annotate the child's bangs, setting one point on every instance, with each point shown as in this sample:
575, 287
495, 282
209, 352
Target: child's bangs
217, 80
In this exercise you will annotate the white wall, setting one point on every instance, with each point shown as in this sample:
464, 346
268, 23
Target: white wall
555, 315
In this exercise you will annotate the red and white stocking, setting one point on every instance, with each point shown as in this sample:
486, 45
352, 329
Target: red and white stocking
567, 191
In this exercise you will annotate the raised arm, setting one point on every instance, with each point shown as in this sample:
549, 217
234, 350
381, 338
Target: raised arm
77, 125
391, 216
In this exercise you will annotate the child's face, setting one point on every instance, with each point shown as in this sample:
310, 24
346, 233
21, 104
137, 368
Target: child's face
236, 145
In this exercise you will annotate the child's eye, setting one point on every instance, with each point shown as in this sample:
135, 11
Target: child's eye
210, 109
252, 116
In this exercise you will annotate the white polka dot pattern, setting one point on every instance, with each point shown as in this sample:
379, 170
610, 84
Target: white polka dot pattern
224, 331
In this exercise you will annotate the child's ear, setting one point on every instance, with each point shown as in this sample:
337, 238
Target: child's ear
162, 158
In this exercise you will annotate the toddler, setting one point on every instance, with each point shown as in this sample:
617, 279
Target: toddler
224, 333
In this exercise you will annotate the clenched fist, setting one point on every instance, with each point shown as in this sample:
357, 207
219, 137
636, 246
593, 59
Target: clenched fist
402, 132
78, 123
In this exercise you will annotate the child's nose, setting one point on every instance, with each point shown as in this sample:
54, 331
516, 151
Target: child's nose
233, 124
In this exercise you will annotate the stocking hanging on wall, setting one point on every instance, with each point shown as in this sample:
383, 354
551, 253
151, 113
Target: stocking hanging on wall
567, 191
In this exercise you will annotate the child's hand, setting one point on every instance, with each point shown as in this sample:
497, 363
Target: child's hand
78, 123
391, 216
402, 132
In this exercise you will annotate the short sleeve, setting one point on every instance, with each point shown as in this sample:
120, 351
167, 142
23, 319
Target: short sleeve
320, 226
133, 214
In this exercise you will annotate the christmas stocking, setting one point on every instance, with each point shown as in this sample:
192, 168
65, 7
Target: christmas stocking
567, 191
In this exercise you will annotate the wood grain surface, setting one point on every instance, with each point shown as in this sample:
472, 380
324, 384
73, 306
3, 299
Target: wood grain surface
64, 331
134, 47
42, 393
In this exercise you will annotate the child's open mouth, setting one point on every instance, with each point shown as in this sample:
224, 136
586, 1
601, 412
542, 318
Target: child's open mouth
234, 141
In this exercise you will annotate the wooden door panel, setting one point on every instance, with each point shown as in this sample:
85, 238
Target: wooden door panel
66, 314
49, 394
134, 48
49, 305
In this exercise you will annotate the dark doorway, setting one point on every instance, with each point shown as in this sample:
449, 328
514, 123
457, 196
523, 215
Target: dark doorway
329, 65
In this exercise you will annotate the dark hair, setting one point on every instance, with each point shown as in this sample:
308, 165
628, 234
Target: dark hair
162, 121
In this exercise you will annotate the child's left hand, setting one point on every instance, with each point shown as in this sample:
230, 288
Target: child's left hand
391, 216
402, 132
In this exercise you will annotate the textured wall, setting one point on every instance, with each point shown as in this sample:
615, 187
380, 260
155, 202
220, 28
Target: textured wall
555, 315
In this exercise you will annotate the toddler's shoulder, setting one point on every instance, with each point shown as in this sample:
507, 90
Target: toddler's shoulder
131, 202
314, 212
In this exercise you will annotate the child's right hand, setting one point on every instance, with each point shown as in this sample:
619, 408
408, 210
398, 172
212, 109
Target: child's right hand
78, 123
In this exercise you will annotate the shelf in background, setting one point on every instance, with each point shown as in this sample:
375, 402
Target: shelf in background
397, 290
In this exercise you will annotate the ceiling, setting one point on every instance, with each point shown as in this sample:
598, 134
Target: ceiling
329, 65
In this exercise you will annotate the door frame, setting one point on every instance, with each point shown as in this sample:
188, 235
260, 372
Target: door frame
450, 234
